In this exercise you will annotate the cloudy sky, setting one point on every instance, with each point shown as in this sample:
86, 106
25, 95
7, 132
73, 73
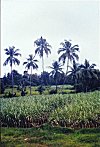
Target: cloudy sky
24, 21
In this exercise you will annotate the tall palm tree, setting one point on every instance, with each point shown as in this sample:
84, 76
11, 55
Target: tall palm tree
68, 52
56, 69
12, 53
31, 64
42, 47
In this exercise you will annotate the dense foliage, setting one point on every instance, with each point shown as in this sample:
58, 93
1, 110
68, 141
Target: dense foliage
81, 83
72, 110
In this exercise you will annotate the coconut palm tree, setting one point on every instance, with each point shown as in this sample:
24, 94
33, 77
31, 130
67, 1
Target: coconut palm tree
68, 52
87, 70
87, 65
31, 64
42, 47
12, 53
56, 69
74, 72
87, 73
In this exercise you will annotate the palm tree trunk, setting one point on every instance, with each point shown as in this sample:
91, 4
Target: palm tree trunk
56, 83
66, 74
67, 66
12, 81
42, 64
66, 71
75, 82
30, 82
42, 80
56, 87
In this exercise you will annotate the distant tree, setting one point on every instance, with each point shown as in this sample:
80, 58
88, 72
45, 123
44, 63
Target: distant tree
42, 47
45, 78
40, 89
35, 79
68, 52
31, 63
2, 88
56, 69
7, 79
12, 53
94, 83
17, 77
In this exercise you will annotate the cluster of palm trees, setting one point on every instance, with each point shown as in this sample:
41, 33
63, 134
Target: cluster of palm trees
68, 53
84, 75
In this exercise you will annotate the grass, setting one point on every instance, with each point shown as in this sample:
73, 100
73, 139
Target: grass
47, 136
66, 89
70, 107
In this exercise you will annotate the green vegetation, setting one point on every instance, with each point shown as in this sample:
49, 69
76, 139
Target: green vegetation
64, 119
35, 90
80, 110
47, 136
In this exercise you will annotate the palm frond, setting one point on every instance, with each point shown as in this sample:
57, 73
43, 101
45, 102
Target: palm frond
63, 44
25, 63
16, 61
76, 56
93, 65
61, 50
35, 66
16, 50
6, 62
75, 47
17, 54
63, 57
7, 53
71, 58
6, 50
35, 60
51, 67
94, 75
37, 50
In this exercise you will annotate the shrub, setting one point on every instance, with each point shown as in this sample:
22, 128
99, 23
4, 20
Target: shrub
40, 89
52, 91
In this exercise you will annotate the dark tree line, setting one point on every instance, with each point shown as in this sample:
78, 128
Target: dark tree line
88, 82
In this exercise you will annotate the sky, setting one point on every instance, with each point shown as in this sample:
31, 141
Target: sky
24, 21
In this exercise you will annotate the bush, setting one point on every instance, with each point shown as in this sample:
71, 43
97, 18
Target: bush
40, 89
79, 87
2, 88
23, 93
52, 91
9, 95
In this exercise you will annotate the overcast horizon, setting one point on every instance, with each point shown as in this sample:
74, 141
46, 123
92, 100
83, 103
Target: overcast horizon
22, 22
